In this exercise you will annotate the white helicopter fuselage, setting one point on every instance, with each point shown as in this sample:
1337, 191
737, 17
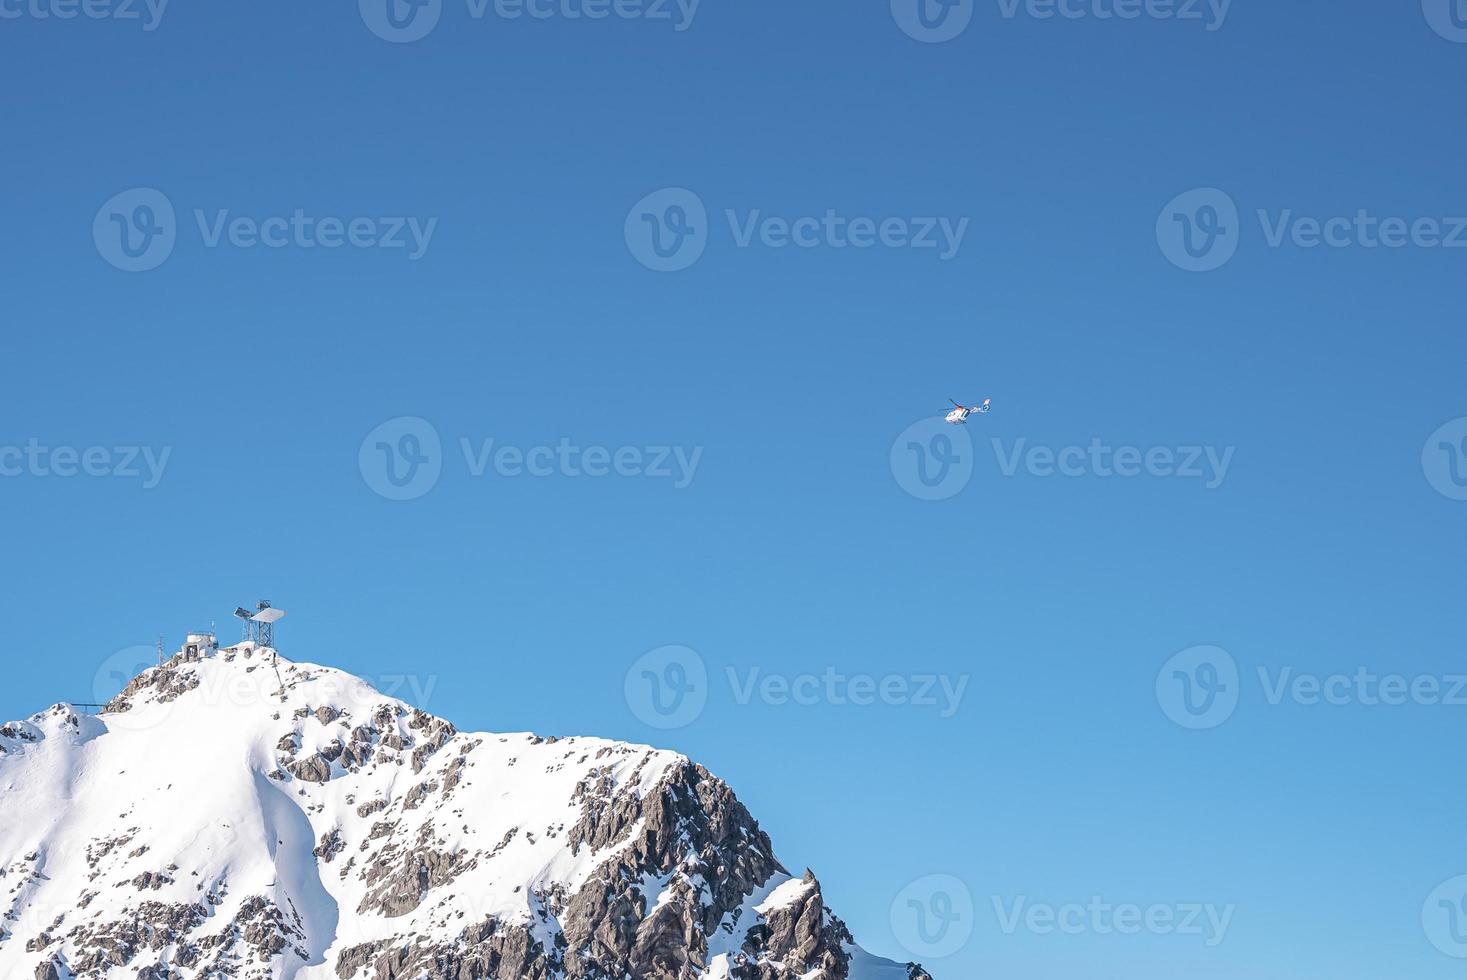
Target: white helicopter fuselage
960, 413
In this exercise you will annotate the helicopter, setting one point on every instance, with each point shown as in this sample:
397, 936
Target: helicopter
959, 415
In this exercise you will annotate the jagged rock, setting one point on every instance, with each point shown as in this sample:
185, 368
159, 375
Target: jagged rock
802, 937
151, 881
312, 769
330, 845
446, 856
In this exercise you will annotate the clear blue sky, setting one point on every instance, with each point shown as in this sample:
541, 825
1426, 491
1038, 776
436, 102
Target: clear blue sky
529, 320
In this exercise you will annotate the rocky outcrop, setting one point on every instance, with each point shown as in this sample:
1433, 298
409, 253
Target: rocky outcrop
400, 880
803, 939
691, 829
484, 950
445, 856
152, 927
166, 682
312, 769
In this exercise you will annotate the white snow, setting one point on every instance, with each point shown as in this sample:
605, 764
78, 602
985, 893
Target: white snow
183, 787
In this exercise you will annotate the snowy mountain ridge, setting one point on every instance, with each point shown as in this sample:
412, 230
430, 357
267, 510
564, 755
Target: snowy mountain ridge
232, 814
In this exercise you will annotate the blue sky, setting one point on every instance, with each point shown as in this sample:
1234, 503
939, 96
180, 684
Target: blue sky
1074, 152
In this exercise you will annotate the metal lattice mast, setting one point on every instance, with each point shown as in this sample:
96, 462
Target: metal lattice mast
260, 625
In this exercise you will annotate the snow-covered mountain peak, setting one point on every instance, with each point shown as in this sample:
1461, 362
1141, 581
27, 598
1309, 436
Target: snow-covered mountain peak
234, 814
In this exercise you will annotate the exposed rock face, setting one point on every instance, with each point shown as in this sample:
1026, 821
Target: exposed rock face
803, 932
314, 769
305, 826
485, 950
